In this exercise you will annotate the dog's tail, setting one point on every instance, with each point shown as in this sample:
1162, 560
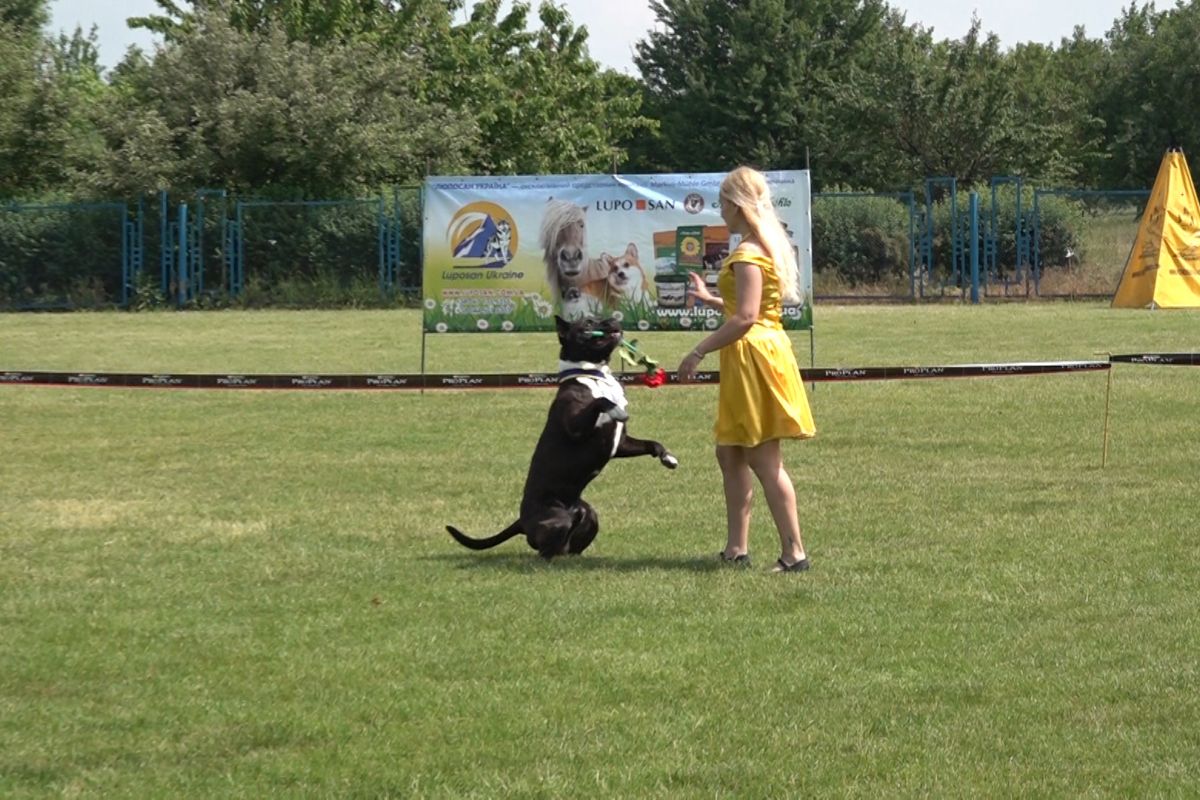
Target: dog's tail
491, 541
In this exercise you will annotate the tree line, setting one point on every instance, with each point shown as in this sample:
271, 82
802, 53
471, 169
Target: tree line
290, 98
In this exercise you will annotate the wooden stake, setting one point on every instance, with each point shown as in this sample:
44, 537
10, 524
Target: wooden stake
1107, 409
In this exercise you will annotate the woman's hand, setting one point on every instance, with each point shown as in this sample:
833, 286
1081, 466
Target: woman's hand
699, 289
689, 365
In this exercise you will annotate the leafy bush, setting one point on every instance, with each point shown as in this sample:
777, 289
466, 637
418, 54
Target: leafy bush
1060, 224
56, 255
1056, 226
864, 239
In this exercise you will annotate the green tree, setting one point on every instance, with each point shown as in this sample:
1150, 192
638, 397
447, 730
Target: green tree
301, 20
21, 53
1149, 93
18, 84
25, 16
255, 112
71, 110
945, 107
1077, 74
543, 105
732, 81
540, 102
49, 91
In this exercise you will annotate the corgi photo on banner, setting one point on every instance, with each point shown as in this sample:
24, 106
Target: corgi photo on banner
627, 281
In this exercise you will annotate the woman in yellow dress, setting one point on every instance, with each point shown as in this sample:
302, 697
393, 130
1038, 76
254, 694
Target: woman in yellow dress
762, 399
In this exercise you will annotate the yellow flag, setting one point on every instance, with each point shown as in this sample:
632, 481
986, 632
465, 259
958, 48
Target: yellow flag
1163, 270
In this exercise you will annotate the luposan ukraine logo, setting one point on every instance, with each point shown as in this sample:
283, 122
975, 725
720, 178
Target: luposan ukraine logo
482, 235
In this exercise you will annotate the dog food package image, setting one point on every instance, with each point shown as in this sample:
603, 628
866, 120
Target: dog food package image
716, 250
689, 248
671, 290
716, 246
664, 252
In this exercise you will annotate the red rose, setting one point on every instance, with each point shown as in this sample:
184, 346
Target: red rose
656, 378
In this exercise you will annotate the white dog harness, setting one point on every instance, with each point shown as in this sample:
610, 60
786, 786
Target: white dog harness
601, 382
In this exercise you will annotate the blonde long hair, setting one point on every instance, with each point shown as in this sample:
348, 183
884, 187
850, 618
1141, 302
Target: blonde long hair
747, 189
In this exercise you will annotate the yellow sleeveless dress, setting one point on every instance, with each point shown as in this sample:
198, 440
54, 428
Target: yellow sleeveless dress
761, 395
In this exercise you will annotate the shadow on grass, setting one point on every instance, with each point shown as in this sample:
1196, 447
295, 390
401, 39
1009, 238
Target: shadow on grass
530, 562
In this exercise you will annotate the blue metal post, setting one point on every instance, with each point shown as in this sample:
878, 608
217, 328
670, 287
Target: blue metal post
958, 254
927, 239
912, 246
199, 252
241, 249
229, 240
126, 256
382, 227
182, 286
956, 248
1020, 238
974, 248
166, 248
1037, 231
196, 245
139, 238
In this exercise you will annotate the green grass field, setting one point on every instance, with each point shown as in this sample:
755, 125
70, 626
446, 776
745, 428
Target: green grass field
251, 594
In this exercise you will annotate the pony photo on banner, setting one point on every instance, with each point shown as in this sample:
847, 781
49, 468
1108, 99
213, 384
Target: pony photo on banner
576, 282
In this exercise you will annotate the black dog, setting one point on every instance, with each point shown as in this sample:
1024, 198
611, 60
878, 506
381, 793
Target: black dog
584, 429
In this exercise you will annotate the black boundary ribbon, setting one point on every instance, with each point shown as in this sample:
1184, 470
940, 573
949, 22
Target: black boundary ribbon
1164, 359
515, 380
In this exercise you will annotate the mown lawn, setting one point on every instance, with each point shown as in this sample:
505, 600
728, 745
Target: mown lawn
251, 594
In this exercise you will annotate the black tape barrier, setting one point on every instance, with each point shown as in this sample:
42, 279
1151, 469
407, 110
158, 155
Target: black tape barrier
505, 380
955, 371
1167, 359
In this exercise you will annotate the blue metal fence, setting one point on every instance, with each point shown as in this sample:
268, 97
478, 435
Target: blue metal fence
58, 255
213, 245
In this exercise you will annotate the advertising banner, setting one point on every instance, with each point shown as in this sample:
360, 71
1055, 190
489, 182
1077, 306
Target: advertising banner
508, 253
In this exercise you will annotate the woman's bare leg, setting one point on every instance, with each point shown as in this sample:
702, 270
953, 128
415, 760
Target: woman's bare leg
766, 460
739, 491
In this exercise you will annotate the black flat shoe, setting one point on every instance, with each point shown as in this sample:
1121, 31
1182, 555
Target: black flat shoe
742, 561
782, 566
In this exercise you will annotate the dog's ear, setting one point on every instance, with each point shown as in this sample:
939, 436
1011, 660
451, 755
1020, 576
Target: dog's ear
631, 251
563, 327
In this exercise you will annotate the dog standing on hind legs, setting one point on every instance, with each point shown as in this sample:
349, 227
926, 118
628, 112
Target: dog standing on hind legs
585, 428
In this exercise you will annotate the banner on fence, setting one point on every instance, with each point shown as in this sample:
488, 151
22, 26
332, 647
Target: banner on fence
507, 253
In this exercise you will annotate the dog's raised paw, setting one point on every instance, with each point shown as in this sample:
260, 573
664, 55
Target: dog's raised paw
669, 461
